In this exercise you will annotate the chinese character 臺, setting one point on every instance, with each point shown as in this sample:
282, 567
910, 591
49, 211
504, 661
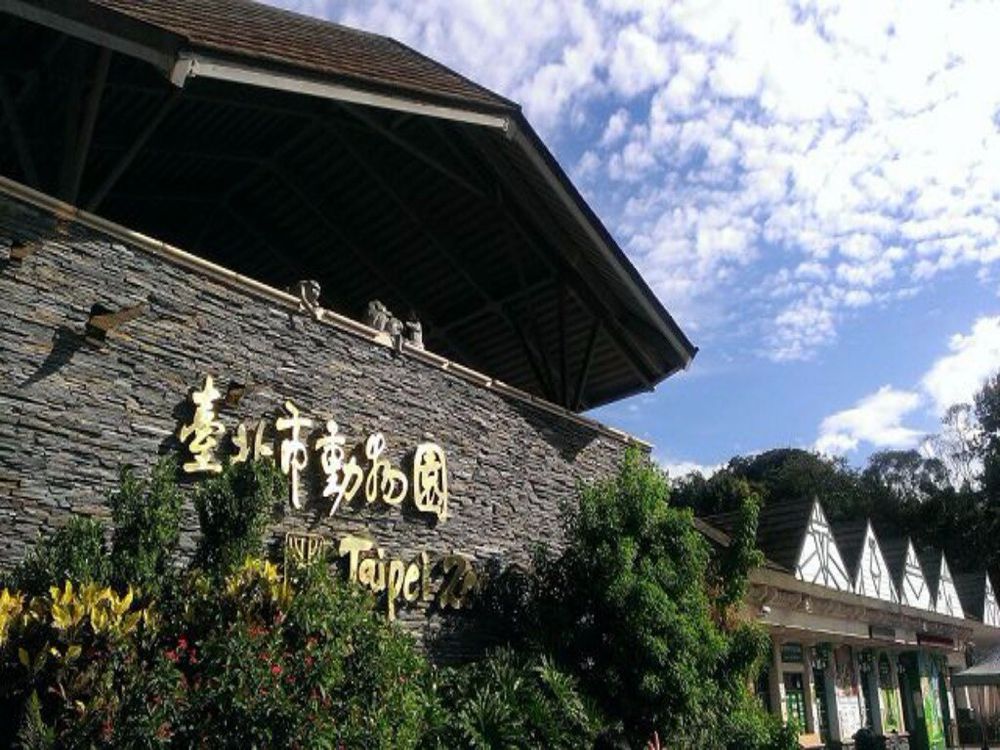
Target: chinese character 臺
430, 480
205, 429
293, 449
343, 479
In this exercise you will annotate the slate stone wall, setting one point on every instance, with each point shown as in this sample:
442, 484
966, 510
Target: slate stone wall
72, 414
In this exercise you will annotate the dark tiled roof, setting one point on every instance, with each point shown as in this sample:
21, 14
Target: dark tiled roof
270, 35
930, 563
971, 588
780, 531
850, 539
894, 551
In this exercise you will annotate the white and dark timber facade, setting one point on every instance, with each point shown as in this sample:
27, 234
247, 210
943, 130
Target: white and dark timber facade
228, 232
867, 631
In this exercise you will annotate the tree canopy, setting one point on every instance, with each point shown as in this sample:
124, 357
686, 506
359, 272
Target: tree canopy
945, 494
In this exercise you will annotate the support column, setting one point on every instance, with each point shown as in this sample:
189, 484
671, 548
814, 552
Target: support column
812, 719
871, 677
776, 682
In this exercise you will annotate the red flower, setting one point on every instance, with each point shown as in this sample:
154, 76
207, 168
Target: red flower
171, 654
182, 643
276, 670
309, 661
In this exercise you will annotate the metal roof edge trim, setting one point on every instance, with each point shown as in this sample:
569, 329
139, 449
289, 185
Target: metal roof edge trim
191, 64
226, 276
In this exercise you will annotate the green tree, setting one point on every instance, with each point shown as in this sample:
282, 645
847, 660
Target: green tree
628, 607
234, 509
146, 517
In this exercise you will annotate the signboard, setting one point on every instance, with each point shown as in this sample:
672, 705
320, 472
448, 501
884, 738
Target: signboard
847, 692
791, 653
882, 632
930, 690
299, 443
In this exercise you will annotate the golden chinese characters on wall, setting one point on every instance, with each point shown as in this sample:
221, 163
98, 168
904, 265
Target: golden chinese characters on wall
365, 471
345, 476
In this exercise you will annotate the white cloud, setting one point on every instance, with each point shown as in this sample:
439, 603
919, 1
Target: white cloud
956, 377
876, 420
678, 469
637, 62
849, 145
616, 127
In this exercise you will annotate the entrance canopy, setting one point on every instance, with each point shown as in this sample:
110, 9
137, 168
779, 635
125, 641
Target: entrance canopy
291, 149
986, 672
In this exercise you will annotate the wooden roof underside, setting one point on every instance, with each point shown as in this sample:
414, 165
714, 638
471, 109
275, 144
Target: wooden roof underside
447, 219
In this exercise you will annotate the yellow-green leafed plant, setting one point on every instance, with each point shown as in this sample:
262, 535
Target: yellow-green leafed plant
258, 579
11, 606
106, 612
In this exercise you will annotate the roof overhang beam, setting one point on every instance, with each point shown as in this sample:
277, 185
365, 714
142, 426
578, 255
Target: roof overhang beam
199, 65
103, 28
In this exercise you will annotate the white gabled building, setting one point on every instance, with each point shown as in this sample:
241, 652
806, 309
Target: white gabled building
820, 560
907, 573
865, 630
991, 611
946, 599
865, 562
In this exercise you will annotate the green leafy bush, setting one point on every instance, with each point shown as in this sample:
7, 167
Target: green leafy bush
146, 516
75, 552
641, 611
234, 509
512, 700
228, 655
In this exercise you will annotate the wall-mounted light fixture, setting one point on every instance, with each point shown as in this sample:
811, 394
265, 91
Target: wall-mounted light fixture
103, 319
21, 250
234, 393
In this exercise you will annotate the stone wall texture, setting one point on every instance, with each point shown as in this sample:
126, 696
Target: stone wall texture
71, 413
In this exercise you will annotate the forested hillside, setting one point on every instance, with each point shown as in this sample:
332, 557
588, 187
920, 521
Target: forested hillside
945, 494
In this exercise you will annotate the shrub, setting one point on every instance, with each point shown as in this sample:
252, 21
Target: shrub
233, 512
512, 700
146, 516
229, 659
76, 552
637, 607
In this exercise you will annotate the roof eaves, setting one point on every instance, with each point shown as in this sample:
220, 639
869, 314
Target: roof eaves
528, 140
194, 63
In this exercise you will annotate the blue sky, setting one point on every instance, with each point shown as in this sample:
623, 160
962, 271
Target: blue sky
812, 189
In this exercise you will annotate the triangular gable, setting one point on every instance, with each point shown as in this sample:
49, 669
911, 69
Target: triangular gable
991, 612
914, 591
819, 559
873, 578
947, 602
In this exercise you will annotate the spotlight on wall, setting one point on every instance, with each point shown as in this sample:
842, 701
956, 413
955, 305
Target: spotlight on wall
21, 250
234, 393
103, 320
